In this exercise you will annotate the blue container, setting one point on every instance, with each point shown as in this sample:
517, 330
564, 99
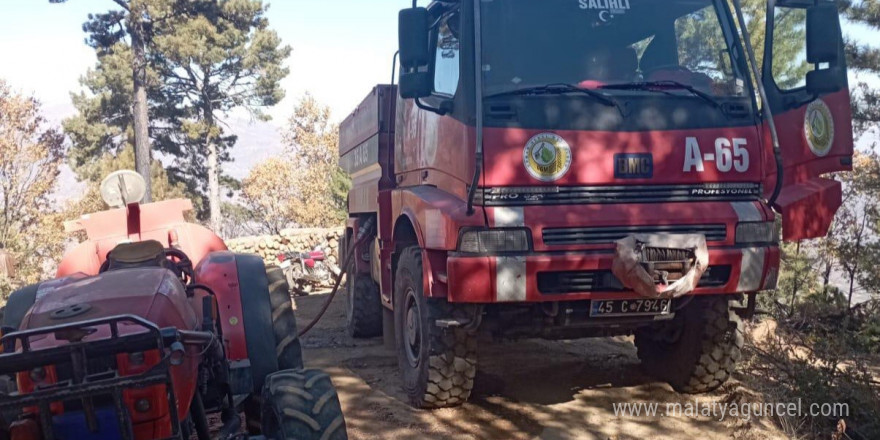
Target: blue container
72, 426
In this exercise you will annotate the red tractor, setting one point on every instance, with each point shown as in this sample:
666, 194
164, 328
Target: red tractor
150, 327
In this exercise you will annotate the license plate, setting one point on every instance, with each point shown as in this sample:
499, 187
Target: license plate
285, 264
630, 307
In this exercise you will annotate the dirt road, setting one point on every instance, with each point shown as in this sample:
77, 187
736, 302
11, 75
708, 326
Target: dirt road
524, 390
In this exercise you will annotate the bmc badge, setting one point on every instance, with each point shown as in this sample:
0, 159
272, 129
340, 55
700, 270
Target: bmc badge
819, 128
633, 166
547, 157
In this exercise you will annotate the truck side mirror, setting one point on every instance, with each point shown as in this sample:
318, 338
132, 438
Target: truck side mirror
824, 36
414, 31
824, 39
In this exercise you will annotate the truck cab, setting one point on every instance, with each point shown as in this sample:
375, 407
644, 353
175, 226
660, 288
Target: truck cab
575, 168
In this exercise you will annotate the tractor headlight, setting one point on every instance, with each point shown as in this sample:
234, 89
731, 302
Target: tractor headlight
756, 232
38, 375
136, 358
492, 241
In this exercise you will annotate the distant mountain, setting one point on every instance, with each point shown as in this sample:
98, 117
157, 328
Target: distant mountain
257, 141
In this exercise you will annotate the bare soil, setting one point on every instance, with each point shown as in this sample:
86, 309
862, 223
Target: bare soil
530, 389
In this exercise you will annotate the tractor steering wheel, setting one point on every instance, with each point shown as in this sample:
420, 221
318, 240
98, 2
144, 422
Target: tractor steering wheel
183, 266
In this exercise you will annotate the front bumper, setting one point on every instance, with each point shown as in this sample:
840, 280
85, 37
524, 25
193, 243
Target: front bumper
128, 334
567, 276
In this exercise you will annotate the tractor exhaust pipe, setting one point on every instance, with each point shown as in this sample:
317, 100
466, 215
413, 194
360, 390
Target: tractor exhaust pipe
231, 425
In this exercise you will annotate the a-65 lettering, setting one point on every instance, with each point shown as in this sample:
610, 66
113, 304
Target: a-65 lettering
729, 154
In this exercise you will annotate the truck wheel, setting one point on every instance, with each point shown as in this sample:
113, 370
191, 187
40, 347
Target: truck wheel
302, 405
287, 345
438, 365
364, 312
18, 305
698, 350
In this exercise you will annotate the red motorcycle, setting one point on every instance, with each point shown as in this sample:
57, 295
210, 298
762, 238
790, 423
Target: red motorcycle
305, 271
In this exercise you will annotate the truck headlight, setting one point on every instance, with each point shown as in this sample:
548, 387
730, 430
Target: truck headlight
756, 232
492, 241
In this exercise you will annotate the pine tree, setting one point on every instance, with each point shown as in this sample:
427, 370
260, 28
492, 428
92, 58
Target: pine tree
864, 59
204, 59
134, 20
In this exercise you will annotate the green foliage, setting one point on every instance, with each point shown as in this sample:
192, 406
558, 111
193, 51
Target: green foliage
339, 188
863, 57
798, 275
31, 152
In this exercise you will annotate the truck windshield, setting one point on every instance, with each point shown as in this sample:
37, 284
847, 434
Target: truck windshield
600, 43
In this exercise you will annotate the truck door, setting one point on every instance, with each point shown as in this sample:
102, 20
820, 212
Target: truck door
804, 74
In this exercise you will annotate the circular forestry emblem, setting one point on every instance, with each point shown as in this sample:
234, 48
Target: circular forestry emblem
819, 128
547, 157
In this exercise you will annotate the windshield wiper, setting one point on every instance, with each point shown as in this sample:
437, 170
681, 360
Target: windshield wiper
658, 86
559, 89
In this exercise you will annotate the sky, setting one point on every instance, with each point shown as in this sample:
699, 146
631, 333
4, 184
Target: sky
341, 49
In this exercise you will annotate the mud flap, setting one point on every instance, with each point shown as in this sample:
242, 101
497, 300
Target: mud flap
629, 263
388, 338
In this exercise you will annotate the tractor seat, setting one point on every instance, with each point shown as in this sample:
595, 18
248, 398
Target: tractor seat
148, 253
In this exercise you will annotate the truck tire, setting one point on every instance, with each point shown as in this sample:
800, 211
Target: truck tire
19, 303
287, 345
698, 350
438, 365
364, 311
302, 405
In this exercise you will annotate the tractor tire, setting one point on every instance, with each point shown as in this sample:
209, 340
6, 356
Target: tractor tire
19, 303
364, 311
6, 387
301, 405
438, 365
698, 350
287, 345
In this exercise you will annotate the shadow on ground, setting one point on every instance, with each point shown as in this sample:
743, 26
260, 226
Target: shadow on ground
523, 390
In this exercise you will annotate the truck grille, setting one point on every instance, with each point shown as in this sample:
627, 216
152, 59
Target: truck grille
574, 195
560, 283
607, 235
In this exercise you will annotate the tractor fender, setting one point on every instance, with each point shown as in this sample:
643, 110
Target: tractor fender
242, 290
19, 303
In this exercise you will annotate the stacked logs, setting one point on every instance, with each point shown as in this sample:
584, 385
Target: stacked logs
290, 240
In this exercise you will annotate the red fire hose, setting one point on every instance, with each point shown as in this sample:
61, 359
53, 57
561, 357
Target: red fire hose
364, 233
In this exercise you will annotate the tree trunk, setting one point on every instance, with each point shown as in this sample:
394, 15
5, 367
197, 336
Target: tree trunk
140, 111
826, 275
852, 279
797, 281
214, 187
216, 220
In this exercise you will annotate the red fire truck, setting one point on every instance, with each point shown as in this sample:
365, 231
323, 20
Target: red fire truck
576, 168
